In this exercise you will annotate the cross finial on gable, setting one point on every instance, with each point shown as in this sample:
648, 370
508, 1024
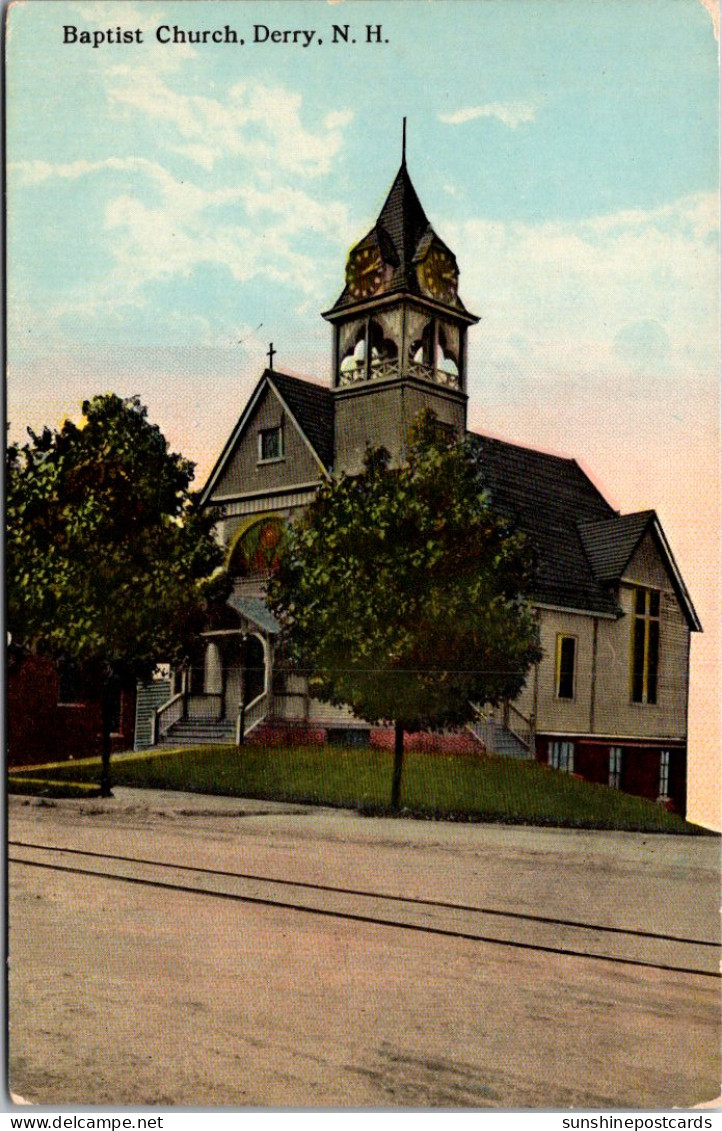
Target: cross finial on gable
271, 354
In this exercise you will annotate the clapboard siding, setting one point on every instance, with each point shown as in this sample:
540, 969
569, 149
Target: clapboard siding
149, 697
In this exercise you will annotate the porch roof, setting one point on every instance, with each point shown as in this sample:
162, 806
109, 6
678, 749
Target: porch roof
256, 611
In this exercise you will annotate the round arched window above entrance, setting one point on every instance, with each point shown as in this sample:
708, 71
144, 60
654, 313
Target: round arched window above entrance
257, 549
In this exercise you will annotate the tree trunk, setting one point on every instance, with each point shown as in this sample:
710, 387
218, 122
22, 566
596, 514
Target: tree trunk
105, 789
398, 764
244, 693
107, 708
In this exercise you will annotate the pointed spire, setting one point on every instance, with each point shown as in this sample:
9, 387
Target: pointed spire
403, 218
403, 143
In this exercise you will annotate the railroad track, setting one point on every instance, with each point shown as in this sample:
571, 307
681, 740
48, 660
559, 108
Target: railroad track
502, 926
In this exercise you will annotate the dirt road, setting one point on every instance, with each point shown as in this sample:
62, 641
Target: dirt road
129, 993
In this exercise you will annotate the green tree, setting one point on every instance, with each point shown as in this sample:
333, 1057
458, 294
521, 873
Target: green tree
109, 560
402, 592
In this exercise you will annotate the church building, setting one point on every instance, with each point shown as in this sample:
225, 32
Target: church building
608, 700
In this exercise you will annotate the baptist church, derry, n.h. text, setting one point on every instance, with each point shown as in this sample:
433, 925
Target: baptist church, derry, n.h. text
608, 700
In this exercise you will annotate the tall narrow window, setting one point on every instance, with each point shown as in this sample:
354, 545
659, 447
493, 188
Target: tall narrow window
561, 756
615, 767
664, 773
565, 663
645, 645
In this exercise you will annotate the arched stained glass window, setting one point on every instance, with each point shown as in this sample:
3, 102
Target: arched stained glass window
258, 549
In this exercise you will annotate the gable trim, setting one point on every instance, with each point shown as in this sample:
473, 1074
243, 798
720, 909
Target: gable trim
654, 527
682, 592
233, 439
267, 493
571, 609
265, 381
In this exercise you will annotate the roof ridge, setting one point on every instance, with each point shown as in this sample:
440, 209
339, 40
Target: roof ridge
523, 447
616, 516
308, 381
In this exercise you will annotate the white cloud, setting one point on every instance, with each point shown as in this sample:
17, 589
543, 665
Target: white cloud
255, 121
35, 172
632, 292
338, 118
510, 114
164, 228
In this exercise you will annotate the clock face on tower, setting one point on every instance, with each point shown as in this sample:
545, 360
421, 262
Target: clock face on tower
438, 275
364, 272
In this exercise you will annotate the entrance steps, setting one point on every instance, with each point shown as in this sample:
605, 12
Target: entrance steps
498, 739
200, 732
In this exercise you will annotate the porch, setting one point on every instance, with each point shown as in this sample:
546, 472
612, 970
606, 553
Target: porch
223, 694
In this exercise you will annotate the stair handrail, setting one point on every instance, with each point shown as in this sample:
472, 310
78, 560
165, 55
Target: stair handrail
525, 732
159, 716
252, 715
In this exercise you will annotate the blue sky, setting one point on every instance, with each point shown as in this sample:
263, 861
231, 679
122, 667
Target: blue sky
174, 208
166, 196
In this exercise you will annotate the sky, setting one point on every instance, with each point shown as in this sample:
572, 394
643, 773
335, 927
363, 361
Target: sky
174, 207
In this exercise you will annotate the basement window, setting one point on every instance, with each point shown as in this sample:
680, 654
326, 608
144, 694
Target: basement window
270, 444
561, 756
664, 773
615, 767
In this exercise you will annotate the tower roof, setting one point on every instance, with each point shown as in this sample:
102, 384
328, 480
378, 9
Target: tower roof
403, 235
403, 219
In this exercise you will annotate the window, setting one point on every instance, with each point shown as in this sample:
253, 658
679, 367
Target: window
270, 444
71, 686
615, 767
561, 756
443, 432
645, 645
564, 667
664, 773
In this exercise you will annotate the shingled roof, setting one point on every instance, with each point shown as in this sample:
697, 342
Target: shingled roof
609, 544
583, 545
403, 235
548, 495
312, 405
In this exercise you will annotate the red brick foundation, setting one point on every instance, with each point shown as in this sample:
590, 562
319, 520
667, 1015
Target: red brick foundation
380, 738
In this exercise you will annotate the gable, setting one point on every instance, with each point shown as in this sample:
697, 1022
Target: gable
241, 469
633, 548
610, 543
646, 566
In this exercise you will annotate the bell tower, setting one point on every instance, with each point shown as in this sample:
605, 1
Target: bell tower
399, 332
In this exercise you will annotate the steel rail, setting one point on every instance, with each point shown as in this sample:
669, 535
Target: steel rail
362, 918
415, 900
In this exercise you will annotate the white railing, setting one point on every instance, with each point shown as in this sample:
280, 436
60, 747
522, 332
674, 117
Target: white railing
352, 376
386, 369
519, 725
254, 714
488, 718
429, 373
172, 711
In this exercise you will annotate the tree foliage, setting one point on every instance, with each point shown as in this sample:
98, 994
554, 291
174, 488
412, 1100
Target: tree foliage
107, 553
402, 592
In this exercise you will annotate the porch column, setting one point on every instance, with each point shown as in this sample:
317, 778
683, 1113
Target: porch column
213, 670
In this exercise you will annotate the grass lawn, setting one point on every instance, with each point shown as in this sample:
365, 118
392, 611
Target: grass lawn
434, 785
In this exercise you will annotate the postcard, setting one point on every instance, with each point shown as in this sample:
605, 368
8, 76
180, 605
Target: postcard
362, 566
